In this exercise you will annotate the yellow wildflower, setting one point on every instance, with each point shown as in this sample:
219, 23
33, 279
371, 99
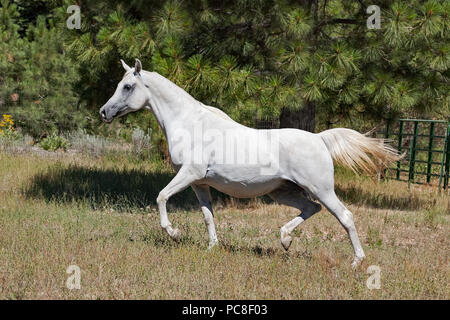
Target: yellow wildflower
7, 118
6, 122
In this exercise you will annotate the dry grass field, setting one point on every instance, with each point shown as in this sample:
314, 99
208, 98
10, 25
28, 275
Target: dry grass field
100, 214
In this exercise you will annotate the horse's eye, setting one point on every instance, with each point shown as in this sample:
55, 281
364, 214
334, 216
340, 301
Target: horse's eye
127, 87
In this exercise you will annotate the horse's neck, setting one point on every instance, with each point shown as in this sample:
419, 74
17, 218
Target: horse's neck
169, 103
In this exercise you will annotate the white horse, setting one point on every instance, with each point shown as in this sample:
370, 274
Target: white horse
209, 149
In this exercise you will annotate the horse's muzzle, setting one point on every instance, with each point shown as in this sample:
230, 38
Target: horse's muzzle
104, 115
109, 113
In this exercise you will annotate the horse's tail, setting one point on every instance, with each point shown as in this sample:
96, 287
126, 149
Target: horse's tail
358, 151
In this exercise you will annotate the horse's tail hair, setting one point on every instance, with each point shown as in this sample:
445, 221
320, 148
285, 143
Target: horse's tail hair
358, 151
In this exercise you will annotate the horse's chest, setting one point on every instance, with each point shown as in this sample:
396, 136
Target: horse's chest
242, 182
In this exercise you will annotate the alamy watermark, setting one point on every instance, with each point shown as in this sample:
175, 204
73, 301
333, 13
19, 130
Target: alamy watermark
74, 21
374, 281
374, 21
74, 280
253, 148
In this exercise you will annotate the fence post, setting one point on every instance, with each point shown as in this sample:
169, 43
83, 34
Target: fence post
386, 136
400, 136
430, 152
412, 154
447, 160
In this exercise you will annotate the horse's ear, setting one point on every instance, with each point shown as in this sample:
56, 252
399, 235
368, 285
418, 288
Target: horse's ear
138, 66
125, 66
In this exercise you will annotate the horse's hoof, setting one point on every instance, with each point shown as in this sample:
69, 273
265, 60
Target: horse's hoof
286, 242
176, 234
212, 245
286, 239
357, 262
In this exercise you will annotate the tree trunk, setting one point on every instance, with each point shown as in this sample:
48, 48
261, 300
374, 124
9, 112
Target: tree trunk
304, 119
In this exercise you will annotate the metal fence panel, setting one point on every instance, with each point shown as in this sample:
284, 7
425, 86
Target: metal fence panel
427, 147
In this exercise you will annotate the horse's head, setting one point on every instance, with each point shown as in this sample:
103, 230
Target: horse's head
131, 94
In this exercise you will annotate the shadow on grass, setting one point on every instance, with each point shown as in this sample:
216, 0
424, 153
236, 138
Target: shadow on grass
117, 188
360, 196
255, 250
132, 189
121, 189
162, 240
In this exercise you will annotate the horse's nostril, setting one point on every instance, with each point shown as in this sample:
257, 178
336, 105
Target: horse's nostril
103, 114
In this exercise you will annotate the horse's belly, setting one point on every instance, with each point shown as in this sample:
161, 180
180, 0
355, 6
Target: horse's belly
242, 182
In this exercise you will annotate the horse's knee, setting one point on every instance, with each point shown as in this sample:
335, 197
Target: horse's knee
162, 198
348, 216
347, 220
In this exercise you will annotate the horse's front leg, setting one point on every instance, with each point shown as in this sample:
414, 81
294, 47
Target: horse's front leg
185, 176
204, 197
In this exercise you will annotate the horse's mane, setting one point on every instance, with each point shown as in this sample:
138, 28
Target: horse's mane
217, 111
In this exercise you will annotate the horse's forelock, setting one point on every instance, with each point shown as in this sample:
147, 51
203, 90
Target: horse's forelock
126, 74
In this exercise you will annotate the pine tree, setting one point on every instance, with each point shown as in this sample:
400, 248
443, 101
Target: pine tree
257, 59
10, 53
37, 78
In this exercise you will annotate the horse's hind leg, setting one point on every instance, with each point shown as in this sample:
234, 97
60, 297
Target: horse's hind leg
292, 195
345, 217
204, 197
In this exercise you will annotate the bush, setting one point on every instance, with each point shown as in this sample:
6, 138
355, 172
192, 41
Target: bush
93, 145
20, 143
54, 142
141, 141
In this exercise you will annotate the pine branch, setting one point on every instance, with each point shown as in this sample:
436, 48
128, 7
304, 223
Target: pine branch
335, 21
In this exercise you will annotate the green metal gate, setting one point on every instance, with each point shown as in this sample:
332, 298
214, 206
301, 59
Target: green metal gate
427, 147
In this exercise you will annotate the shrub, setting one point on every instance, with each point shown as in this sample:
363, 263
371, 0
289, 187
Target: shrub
54, 142
93, 145
141, 141
16, 143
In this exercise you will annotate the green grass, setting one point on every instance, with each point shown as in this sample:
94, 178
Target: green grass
100, 214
